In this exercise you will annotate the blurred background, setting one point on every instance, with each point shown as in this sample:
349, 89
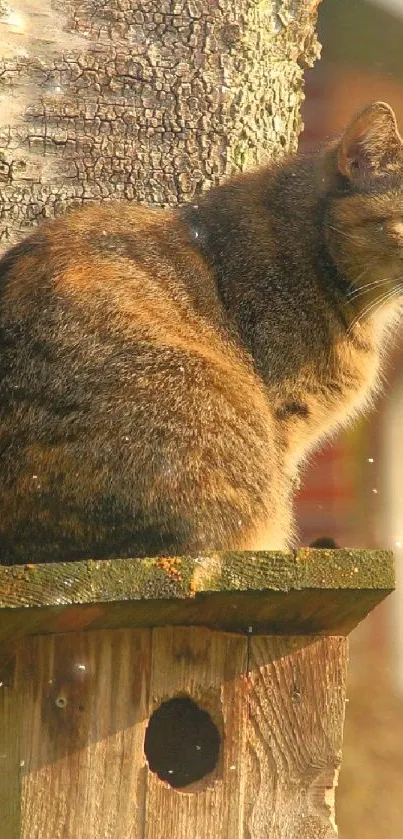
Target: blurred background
353, 490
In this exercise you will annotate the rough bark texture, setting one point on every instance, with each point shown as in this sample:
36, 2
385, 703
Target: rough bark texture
150, 100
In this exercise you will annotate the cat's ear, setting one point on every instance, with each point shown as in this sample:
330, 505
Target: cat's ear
371, 144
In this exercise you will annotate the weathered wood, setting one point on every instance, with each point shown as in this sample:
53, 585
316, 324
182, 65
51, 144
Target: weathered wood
210, 667
75, 706
77, 746
11, 712
313, 592
296, 714
76, 765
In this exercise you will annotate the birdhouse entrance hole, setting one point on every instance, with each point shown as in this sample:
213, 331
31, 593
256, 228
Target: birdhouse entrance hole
182, 743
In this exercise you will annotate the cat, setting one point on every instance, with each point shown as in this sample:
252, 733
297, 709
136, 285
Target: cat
165, 373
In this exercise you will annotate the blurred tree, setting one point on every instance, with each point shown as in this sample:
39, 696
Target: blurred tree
150, 100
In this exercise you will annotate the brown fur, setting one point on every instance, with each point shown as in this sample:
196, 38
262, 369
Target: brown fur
164, 374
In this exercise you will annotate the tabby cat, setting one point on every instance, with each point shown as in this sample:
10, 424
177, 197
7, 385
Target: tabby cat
165, 373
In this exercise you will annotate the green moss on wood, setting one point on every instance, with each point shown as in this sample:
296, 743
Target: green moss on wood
160, 578
311, 591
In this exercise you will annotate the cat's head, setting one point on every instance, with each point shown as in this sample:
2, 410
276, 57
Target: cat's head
364, 218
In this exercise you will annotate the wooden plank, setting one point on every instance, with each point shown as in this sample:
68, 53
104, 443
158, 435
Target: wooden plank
78, 746
312, 592
10, 770
296, 715
210, 668
84, 700
167, 578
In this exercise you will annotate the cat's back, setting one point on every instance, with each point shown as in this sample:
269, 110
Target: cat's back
116, 282
128, 411
120, 256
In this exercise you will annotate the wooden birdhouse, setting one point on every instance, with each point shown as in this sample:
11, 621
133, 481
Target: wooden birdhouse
178, 698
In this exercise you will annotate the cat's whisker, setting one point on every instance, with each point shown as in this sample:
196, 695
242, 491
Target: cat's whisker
353, 284
365, 288
396, 292
375, 304
365, 312
343, 233
369, 286
369, 307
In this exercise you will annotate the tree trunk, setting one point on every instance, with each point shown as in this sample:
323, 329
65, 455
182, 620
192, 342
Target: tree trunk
152, 100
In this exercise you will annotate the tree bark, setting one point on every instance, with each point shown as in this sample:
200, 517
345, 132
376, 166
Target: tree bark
152, 100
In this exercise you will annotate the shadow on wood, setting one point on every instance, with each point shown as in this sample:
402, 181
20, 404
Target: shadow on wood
75, 706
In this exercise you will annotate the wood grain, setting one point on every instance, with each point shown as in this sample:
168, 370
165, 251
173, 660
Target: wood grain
84, 700
209, 667
74, 721
10, 770
296, 715
313, 592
